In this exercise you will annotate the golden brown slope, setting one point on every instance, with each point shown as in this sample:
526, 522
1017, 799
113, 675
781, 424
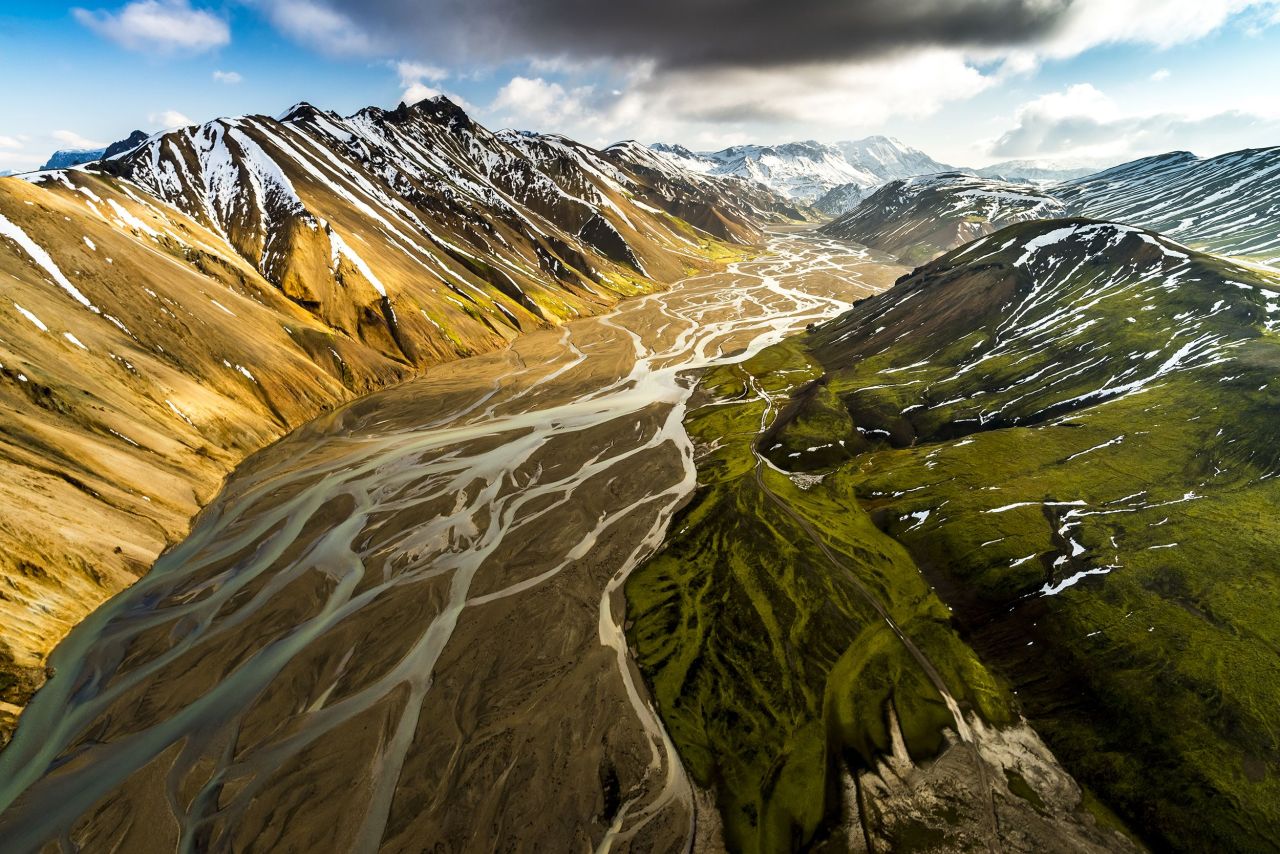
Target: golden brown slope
170, 311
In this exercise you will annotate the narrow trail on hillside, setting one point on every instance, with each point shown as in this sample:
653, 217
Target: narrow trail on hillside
409, 612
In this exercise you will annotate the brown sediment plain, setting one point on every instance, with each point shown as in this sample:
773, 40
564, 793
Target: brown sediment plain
400, 627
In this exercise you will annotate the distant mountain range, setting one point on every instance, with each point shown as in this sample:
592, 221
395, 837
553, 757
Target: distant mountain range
802, 171
1039, 171
69, 157
806, 172
65, 158
834, 178
1228, 205
919, 218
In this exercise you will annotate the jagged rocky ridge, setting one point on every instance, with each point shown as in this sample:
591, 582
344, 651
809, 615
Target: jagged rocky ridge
179, 305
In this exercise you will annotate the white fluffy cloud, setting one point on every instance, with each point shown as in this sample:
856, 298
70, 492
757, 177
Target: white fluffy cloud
158, 26
535, 102
71, 139
1082, 121
228, 77
320, 26
416, 79
168, 120
414, 71
723, 106
13, 154
1089, 23
864, 93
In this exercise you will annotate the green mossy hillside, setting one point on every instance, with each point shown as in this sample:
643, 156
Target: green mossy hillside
772, 669
1072, 427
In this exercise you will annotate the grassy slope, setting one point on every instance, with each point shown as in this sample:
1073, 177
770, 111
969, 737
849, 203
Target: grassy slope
1154, 676
768, 664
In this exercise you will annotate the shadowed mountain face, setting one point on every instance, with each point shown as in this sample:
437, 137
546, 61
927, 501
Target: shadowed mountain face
188, 301
1070, 427
917, 219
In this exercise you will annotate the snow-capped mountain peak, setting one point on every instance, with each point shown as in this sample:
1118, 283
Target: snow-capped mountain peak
808, 170
888, 158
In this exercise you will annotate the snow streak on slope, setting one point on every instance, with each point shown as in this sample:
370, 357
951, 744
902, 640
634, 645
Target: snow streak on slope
918, 218
186, 300
1228, 204
1044, 318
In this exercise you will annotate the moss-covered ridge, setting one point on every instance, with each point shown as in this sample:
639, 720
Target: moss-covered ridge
1071, 426
779, 627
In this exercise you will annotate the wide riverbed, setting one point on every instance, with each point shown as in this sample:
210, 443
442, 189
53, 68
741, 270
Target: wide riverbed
401, 626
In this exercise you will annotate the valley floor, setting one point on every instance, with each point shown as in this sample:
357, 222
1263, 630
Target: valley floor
409, 611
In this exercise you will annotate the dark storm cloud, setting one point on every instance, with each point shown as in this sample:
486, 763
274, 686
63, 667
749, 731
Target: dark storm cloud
699, 33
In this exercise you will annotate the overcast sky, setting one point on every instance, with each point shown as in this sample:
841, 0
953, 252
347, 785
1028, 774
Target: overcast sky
969, 81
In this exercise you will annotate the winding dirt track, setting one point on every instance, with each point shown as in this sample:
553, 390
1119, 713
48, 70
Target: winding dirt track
399, 628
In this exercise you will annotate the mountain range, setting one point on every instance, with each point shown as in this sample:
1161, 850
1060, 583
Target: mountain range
1227, 204
832, 178
182, 303
1041, 172
807, 171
